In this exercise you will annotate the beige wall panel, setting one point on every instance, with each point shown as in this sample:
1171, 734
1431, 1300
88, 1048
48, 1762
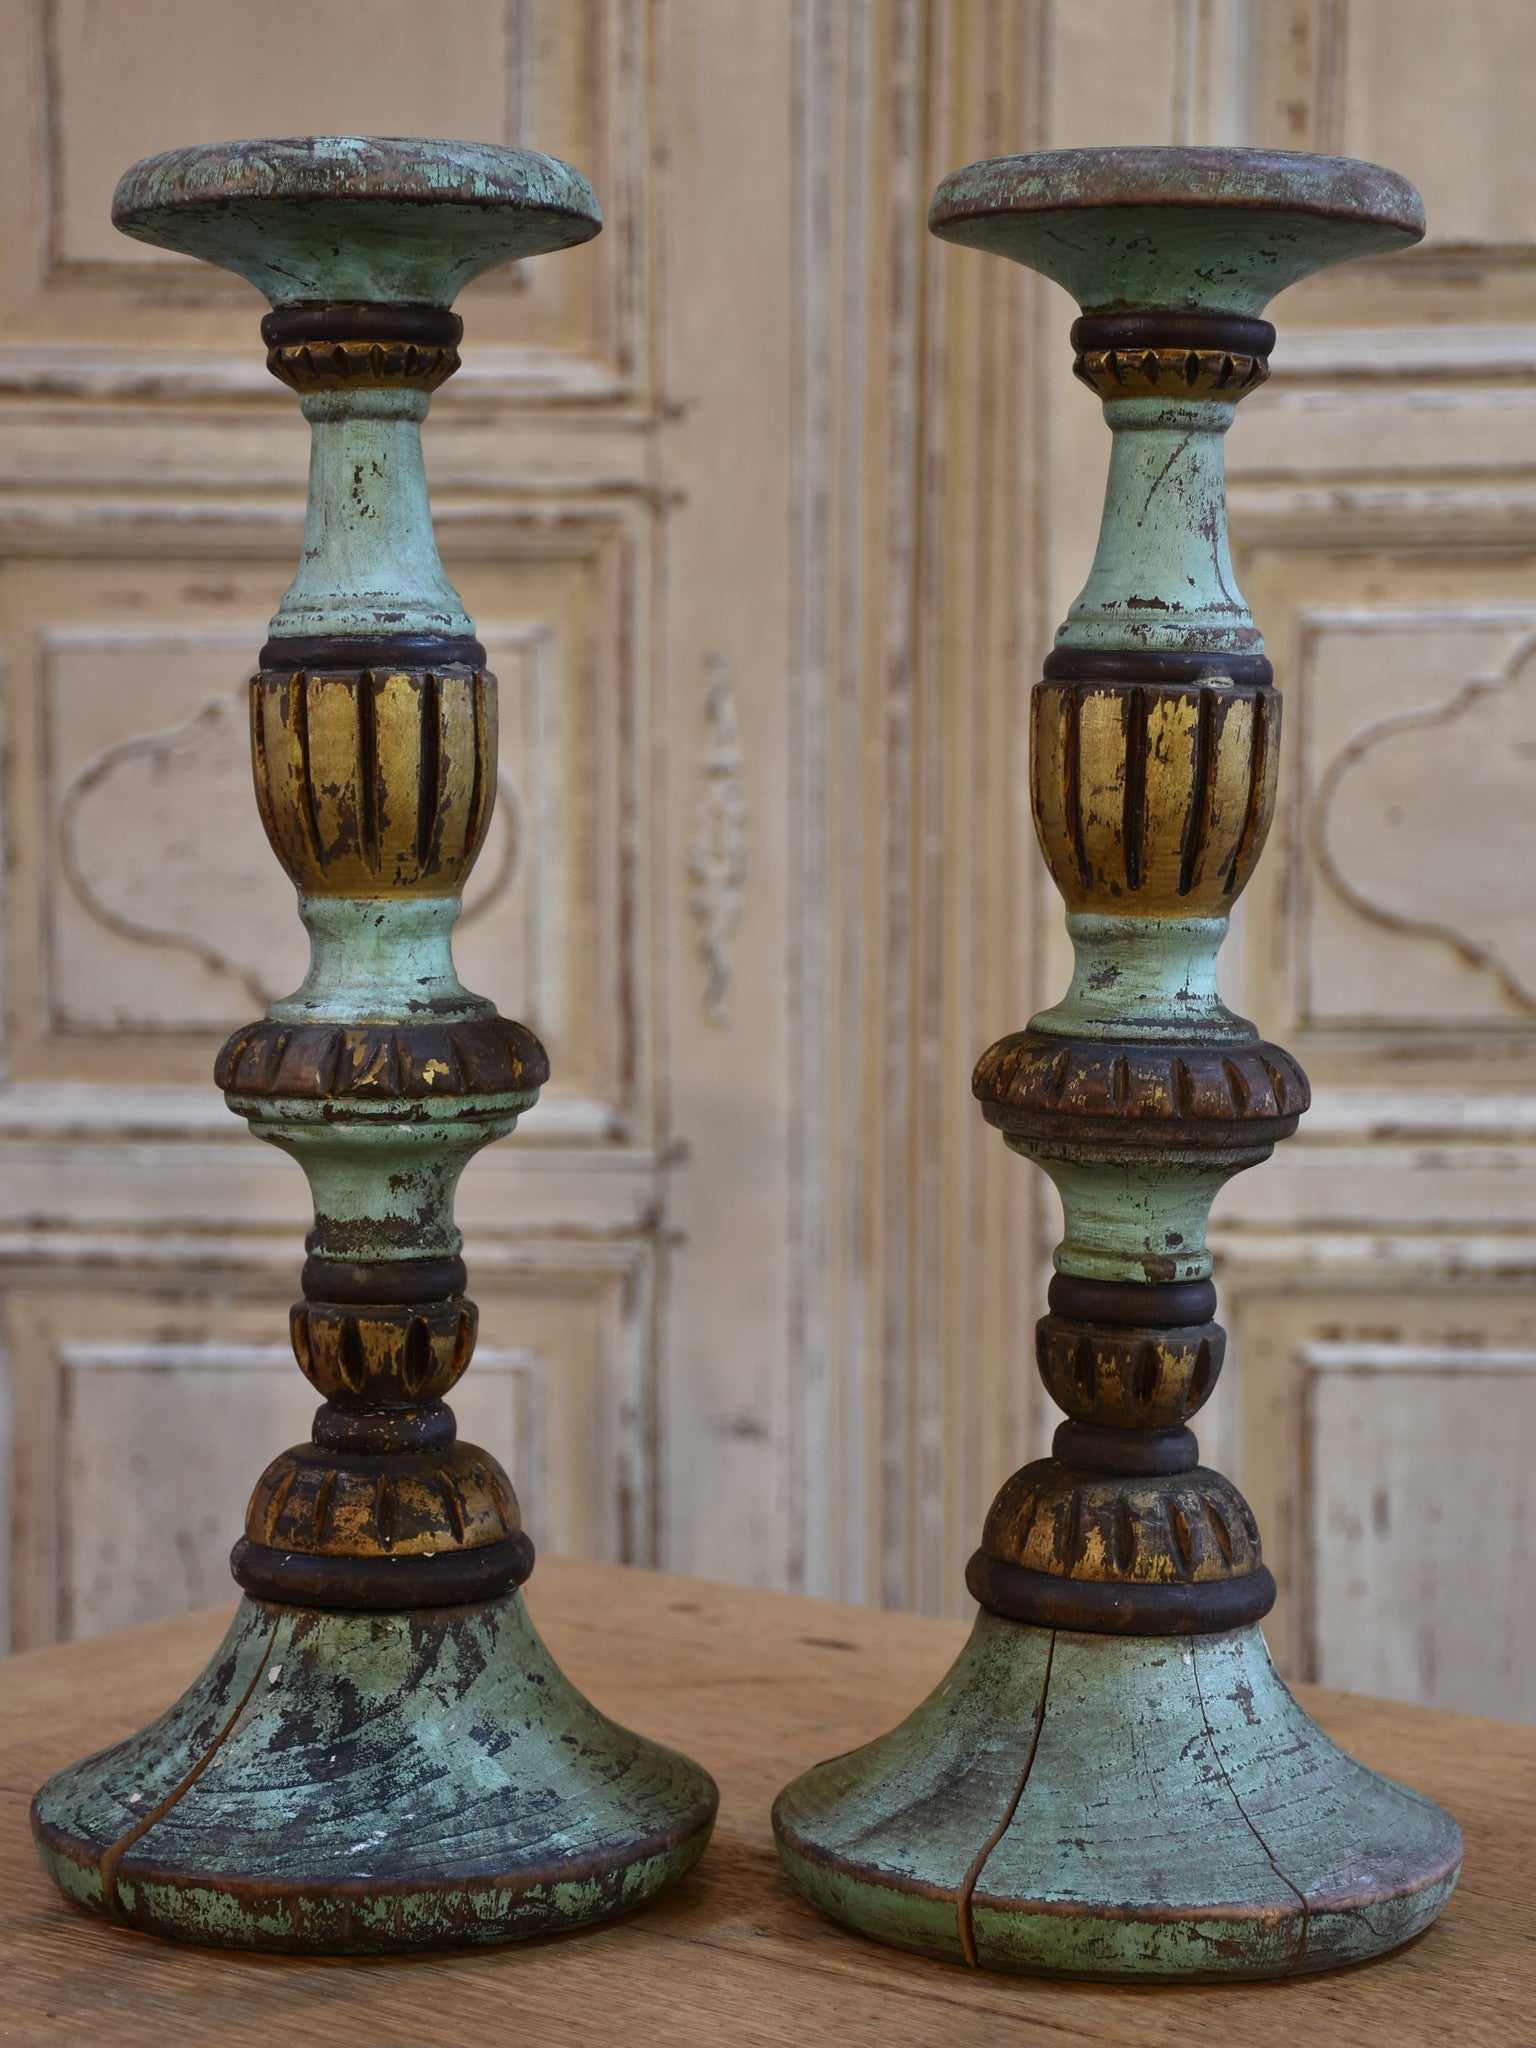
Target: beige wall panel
1418, 731
1386, 934
1380, 1427
1412, 72
549, 74
725, 331
1420, 1476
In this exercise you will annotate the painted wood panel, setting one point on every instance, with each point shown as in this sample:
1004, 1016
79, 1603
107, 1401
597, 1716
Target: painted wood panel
1421, 1489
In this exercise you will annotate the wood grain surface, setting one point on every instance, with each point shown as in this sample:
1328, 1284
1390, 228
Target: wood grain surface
756, 1686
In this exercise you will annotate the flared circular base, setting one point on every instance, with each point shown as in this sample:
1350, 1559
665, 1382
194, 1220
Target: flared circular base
346, 1783
1127, 1808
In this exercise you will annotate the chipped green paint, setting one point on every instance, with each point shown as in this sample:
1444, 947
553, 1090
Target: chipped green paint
379, 959
1142, 1809
1139, 977
1221, 230
370, 564
383, 1183
1162, 577
1138, 1213
1131, 1214
1184, 230
347, 1755
356, 218
1210, 230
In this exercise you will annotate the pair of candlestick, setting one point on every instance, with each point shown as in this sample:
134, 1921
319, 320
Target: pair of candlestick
1112, 1781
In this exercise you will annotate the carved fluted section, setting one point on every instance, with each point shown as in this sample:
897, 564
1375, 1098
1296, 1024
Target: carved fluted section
1153, 797
375, 783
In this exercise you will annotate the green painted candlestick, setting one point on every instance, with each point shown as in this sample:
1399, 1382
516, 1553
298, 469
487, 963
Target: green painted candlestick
382, 1754
1113, 1781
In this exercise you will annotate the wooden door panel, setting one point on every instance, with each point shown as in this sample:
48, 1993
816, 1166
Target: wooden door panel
545, 73
151, 493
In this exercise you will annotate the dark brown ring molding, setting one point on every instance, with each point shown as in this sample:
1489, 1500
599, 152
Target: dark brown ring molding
1089, 1447
428, 326
1151, 665
1227, 332
1239, 1094
1101, 1608
430, 1426
447, 1578
418, 1060
385, 1283
393, 653
1246, 1143
1127, 1304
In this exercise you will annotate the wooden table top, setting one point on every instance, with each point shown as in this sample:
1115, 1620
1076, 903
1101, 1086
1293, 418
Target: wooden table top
756, 1686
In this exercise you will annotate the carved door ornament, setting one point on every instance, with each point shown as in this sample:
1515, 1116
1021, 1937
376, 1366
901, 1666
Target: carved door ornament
1422, 867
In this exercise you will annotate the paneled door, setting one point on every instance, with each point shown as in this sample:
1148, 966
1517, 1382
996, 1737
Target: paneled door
686, 482
767, 505
151, 484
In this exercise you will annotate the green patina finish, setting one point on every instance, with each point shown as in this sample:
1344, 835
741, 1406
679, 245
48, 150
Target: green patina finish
383, 1176
1132, 1214
380, 960
1135, 1212
383, 1182
368, 219
373, 1772
1147, 1809
377, 221
1180, 230
1140, 977
1221, 230
370, 564
1163, 577
306, 1793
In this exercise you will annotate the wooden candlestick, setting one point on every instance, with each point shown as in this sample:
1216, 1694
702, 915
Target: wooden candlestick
1113, 1781
382, 1755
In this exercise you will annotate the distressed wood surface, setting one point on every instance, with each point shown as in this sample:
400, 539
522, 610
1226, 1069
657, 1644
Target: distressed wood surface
758, 1686
909, 444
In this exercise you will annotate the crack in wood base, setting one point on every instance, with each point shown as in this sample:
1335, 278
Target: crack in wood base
1137, 1809
341, 1784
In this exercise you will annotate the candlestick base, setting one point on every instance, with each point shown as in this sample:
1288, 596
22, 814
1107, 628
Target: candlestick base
1134, 1808
341, 1783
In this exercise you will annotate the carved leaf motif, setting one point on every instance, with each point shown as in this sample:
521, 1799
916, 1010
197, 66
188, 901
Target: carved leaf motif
717, 864
1427, 823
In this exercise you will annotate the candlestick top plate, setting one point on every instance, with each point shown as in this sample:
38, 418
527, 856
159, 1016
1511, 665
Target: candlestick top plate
1204, 230
351, 218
